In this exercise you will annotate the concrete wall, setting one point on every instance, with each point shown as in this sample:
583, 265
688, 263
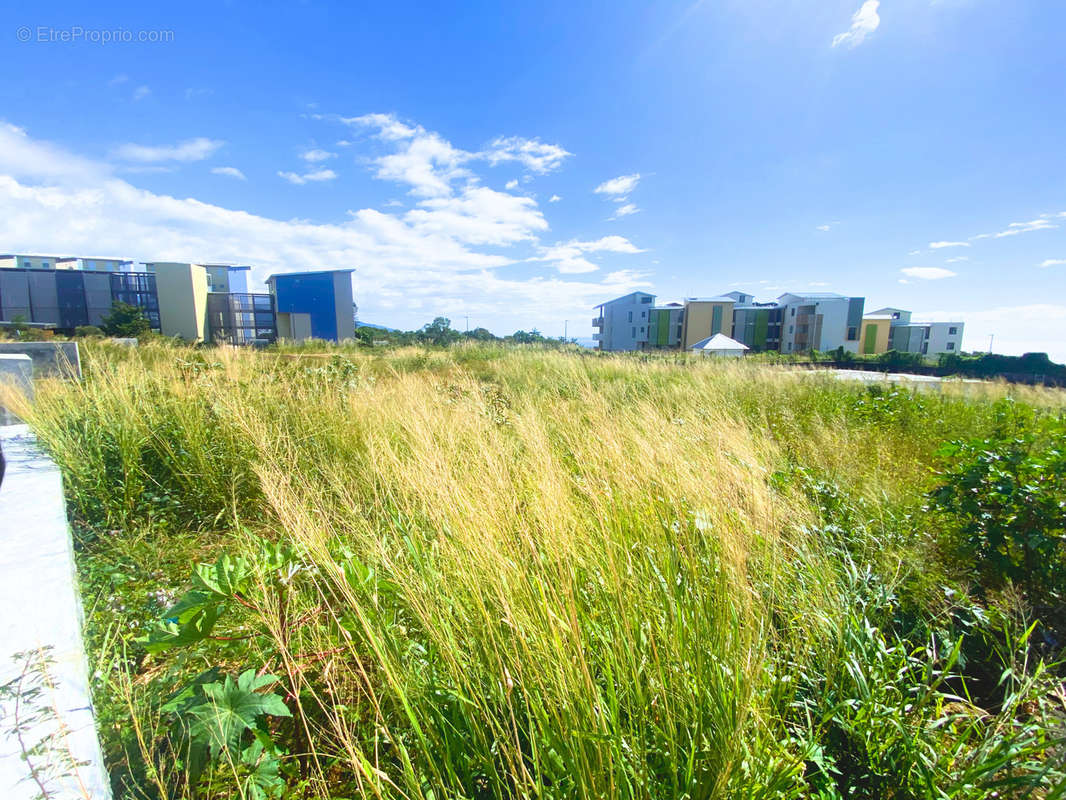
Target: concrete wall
182, 292
879, 341
942, 340
342, 291
626, 321
16, 369
50, 359
700, 319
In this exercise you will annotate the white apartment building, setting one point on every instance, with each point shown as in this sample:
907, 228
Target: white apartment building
622, 323
927, 338
820, 321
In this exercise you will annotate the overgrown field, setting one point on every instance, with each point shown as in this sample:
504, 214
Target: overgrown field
488, 572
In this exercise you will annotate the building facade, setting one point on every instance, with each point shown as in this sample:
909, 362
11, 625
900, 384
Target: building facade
65, 299
324, 296
623, 323
925, 338
665, 326
820, 321
705, 317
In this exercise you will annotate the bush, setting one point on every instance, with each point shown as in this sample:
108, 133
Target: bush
1005, 500
88, 330
126, 321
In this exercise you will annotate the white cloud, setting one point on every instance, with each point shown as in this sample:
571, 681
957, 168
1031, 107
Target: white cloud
823, 228
315, 155
512, 184
864, 22
533, 154
927, 273
411, 266
1054, 262
188, 150
569, 257
957, 259
915, 253
625, 210
314, 176
1016, 228
618, 189
554, 198
230, 172
942, 245
141, 92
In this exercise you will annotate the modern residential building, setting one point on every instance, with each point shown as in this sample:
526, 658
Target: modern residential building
197, 302
874, 337
623, 322
227, 278
67, 298
927, 338
758, 325
93, 264
316, 304
20, 261
706, 316
820, 321
665, 326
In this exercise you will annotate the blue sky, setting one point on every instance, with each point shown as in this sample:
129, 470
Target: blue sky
908, 151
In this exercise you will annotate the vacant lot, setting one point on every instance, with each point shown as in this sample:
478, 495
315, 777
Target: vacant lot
488, 572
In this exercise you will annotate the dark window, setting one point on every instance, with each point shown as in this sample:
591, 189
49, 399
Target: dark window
951, 345
630, 317
645, 299
793, 312
853, 334
952, 331
634, 333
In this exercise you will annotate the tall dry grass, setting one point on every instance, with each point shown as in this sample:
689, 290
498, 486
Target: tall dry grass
525, 573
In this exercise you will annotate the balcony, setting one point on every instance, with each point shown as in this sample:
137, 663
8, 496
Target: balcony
597, 322
597, 336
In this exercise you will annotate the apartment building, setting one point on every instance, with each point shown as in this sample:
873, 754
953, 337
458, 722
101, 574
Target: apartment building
820, 321
665, 326
21, 261
705, 317
622, 324
757, 325
197, 302
314, 304
927, 338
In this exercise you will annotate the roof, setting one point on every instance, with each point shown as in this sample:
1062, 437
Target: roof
719, 342
30, 255
879, 317
221, 264
889, 310
306, 272
815, 295
95, 258
722, 298
667, 307
623, 297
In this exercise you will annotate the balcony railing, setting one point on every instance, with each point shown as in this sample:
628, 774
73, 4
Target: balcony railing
597, 322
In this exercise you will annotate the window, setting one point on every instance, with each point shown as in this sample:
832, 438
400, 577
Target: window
793, 310
952, 331
643, 314
926, 333
645, 299
630, 317
642, 329
951, 345
853, 334
634, 333
925, 348
791, 328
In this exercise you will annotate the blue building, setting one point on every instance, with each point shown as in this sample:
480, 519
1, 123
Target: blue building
315, 304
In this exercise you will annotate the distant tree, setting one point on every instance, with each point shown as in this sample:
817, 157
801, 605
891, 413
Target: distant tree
439, 332
126, 321
364, 336
527, 337
480, 335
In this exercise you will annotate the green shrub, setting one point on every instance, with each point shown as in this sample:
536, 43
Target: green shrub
88, 330
1004, 499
